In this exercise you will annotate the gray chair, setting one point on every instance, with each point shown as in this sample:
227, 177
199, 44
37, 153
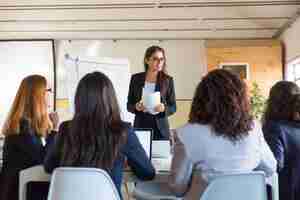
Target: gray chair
246, 186
275, 186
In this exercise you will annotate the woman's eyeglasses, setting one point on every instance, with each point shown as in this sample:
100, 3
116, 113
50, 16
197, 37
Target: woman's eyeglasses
156, 59
49, 90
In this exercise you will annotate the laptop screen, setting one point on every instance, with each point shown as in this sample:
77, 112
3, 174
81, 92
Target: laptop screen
145, 138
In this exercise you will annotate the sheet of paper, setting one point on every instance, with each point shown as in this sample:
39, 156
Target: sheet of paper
150, 101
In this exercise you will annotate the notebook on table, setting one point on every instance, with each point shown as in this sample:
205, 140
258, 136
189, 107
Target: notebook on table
161, 155
145, 137
158, 151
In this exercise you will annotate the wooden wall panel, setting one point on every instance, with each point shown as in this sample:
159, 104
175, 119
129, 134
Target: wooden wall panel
263, 56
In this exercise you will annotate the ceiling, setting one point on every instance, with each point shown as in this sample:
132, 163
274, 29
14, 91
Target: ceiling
146, 19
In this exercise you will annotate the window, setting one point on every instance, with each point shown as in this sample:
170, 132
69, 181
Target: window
293, 71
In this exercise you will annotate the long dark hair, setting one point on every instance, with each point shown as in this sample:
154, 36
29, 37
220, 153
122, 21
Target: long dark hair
221, 101
280, 98
162, 75
96, 130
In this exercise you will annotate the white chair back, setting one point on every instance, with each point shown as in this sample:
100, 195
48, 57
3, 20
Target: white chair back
275, 187
36, 173
248, 186
81, 183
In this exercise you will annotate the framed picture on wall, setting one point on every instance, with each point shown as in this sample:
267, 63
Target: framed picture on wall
240, 69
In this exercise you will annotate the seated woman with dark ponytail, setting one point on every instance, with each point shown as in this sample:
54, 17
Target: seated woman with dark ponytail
96, 136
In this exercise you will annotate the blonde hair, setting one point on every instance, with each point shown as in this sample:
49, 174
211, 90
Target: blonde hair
30, 104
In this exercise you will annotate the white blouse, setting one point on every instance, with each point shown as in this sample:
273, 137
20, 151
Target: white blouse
149, 87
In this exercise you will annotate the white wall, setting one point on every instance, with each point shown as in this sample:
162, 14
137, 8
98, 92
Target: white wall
291, 40
185, 58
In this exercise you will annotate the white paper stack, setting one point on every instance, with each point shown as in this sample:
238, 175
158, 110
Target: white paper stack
151, 100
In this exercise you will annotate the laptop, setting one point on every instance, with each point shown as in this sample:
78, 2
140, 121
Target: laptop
157, 151
145, 136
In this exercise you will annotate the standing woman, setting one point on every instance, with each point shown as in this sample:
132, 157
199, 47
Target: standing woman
282, 132
27, 130
154, 79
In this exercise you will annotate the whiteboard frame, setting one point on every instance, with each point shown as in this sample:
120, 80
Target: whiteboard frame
102, 60
53, 58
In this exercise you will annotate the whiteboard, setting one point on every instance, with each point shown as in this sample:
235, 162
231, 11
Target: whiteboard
117, 70
19, 59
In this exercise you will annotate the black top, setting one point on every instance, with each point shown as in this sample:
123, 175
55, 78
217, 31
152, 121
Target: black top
20, 151
132, 150
168, 98
283, 138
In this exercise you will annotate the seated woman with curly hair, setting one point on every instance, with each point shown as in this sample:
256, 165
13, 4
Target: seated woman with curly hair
220, 136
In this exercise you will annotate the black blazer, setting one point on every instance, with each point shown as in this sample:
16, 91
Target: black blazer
20, 152
168, 98
283, 138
